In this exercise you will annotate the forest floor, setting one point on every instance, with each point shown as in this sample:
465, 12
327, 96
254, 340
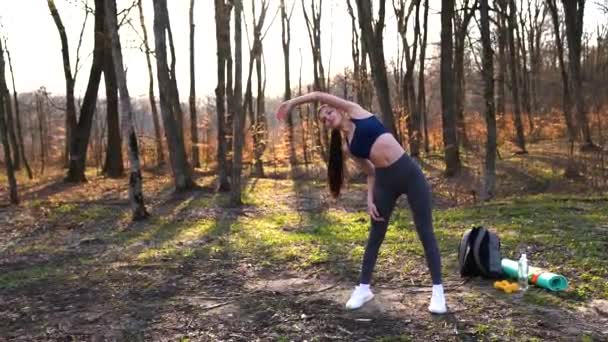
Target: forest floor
281, 267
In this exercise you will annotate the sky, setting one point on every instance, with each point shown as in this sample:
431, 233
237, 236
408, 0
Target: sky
35, 47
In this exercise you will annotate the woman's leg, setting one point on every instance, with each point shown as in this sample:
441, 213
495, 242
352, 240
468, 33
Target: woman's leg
420, 200
384, 200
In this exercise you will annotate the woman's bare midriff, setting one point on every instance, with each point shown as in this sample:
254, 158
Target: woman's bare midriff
385, 151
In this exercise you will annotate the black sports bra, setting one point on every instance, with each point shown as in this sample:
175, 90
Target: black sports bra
366, 132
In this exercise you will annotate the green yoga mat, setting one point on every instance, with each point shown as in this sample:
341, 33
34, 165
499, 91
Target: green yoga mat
538, 277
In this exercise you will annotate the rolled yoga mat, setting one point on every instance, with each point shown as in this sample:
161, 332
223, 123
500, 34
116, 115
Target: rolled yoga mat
536, 276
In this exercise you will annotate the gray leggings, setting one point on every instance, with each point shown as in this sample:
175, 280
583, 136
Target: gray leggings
404, 176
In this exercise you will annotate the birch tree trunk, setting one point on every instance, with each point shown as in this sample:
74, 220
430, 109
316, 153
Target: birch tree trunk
192, 99
136, 195
182, 174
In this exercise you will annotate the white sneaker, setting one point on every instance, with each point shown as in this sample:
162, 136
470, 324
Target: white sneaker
360, 296
437, 305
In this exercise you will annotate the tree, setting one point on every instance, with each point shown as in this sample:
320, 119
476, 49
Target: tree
257, 117
81, 129
514, 67
490, 115
160, 155
18, 115
70, 79
182, 173
10, 123
421, 82
192, 99
462, 18
113, 166
450, 142
285, 40
136, 196
314, 36
573, 12
371, 32
566, 100
239, 114
4, 136
222, 29
501, 28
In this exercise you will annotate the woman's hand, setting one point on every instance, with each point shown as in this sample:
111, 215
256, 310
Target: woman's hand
373, 211
284, 110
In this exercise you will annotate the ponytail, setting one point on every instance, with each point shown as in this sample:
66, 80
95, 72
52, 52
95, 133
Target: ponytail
335, 167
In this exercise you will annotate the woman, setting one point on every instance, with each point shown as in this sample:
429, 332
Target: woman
390, 173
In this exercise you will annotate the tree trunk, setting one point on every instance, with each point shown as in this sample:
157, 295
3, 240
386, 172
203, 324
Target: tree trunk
566, 100
514, 66
4, 135
160, 154
182, 174
421, 84
175, 99
81, 133
573, 11
450, 142
525, 74
42, 136
10, 124
490, 115
372, 35
192, 99
18, 116
136, 196
501, 58
113, 166
461, 27
285, 40
239, 115
69, 79
222, 25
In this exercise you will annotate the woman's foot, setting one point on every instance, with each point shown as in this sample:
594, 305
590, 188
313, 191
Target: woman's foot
361, 295
437, 305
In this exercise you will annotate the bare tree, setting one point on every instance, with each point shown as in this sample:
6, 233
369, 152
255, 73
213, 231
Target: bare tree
421, 83
81, 130
42, 128
319, 83
10, 123
160, 155
136, 196
514, 66
192, 99
448, 115
222, 29
462, 18
573, 12
490, 115
239, 113
182, 173
8, 159
21, 146
501, 59
566, 100
257, 116
285, 41
113, 166
371, 32
70, 79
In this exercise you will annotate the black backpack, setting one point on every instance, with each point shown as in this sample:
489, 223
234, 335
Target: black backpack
479, 254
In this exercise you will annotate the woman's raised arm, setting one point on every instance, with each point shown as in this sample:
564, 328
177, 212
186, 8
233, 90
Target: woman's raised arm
317, 96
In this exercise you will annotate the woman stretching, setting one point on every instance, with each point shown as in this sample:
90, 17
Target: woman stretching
390, 173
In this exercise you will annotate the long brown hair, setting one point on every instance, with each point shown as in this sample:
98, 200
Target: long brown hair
335, 165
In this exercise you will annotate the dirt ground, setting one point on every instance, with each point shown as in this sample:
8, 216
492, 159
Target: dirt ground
74, 268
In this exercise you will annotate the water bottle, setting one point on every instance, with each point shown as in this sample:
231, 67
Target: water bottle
522, 273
